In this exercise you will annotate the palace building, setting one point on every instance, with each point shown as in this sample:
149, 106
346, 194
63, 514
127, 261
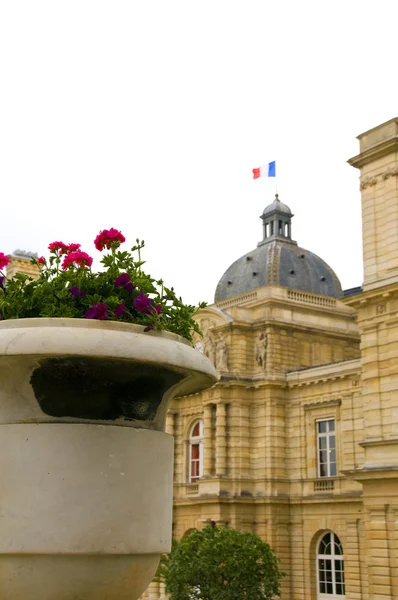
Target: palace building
298, 440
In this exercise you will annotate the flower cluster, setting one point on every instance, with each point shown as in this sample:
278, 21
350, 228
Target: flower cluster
66, 286
4, 260
82, 259
109, 238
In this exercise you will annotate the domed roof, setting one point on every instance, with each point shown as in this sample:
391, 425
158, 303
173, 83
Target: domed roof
278, 260
278, 263
277, 205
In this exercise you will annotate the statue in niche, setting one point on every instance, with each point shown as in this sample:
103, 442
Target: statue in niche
261, 350
209, 349
221, 353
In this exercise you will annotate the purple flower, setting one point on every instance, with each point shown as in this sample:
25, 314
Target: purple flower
158, 309
74, 290
97, 311
76, 293
120, 310
124, 281
142, 303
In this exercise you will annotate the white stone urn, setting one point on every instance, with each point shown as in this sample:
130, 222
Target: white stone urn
86, 469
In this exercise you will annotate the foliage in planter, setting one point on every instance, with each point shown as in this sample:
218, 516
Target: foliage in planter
221, 564
67, 287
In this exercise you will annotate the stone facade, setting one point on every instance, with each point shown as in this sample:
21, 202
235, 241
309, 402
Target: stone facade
20, 263
299, 438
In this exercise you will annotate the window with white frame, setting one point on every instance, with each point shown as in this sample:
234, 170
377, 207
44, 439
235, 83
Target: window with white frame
326, 447
196, 452
330, 568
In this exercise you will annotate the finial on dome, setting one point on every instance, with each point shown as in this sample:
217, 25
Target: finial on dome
277, 196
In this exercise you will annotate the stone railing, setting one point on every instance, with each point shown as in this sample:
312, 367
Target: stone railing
311, 299
324, 485
244, 299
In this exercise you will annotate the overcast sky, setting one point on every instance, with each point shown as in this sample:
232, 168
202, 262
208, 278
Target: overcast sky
150, 116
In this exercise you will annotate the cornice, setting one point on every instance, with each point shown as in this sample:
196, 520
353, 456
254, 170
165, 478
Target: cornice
379, 442
371, 296
372, 473
377, 151
322, 373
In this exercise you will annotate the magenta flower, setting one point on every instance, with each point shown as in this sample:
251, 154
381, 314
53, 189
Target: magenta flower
120, 310
97, 311
55, 246
142, 303
41, 261
158, 309
81, 259
72, 248
124, 282
4, 260
106, 237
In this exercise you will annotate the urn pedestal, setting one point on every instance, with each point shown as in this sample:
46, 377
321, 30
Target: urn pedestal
85, 466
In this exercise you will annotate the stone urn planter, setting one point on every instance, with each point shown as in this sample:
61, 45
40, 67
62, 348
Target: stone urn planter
85, 466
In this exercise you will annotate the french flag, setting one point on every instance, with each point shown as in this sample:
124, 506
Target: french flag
265, 170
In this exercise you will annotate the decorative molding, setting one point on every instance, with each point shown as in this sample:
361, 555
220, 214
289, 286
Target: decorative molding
390, 172
381, 308
322, 403
369, 181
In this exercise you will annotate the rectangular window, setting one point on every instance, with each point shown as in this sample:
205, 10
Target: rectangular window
326, 447
195, 466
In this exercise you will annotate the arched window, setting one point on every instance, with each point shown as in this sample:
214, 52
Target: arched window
196, 452
330, 568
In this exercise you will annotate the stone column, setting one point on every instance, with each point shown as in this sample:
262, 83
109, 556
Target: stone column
378, 551
239, 440
353, 566
153, 590
208, 441
221, 442
162, 591
170, 423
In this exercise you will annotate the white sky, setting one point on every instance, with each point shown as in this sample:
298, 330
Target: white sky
149, 116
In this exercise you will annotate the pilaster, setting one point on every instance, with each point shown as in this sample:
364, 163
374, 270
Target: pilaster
221, 442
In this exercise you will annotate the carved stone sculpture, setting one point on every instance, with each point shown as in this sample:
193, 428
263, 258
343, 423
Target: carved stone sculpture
261, 350
221, 353
209, 349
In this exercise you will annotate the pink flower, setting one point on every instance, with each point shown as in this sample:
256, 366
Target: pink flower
81, 259
41, 261
71, 248
55, 246
97, 311
4, 260
158, 309
107, 237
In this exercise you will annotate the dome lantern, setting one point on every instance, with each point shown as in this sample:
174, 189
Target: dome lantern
277, 222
